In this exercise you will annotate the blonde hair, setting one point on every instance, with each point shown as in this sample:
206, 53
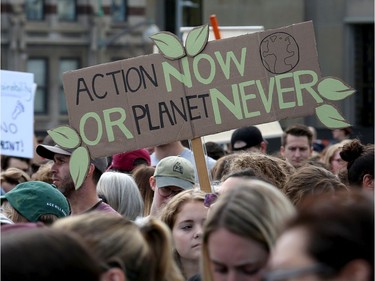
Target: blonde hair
311, 180
121, 192
14, 176
330, 153
173, 208
44, 173
144, 252
254, 210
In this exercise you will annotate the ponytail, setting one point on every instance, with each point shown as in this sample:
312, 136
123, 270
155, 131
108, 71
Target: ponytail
159, 240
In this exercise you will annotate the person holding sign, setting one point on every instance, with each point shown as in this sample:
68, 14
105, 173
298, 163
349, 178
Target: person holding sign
177, 149
85, 198
172, 175
296, 145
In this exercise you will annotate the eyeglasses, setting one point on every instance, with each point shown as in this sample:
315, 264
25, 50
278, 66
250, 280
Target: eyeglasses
209, 199
284, 274
168, 191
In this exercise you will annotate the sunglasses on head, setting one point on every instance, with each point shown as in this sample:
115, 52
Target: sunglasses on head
209, 199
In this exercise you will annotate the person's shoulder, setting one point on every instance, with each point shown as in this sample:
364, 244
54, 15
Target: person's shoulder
104, 207
154, 160
210, 161
186, 152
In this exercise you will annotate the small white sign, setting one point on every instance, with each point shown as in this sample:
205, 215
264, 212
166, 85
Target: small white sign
17, 113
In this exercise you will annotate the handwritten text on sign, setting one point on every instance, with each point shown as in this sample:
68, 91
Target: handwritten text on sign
151, 100
17, 114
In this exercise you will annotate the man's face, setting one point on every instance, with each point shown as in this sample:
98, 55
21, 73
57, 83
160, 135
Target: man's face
163, 195
19, 164
61, 174
296, 150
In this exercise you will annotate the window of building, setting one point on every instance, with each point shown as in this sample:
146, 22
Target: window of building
39, 66
119, 10
34, 10
364, 73
190, 14
65, 64
67, 10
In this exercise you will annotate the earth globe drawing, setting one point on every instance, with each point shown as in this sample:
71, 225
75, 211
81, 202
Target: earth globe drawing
279, 52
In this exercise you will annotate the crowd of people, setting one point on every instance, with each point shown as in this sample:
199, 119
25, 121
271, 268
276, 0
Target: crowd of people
303, 213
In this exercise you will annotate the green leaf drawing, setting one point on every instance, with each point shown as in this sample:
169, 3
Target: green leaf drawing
196, 40
334, 89
65, 137
79, 165
330, 117
169, 45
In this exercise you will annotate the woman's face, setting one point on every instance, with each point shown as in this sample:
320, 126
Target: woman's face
337, 163
290, 257
188, 228
235, 258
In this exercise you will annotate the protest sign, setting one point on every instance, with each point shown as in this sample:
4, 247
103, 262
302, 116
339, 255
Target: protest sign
198, 89
17, 113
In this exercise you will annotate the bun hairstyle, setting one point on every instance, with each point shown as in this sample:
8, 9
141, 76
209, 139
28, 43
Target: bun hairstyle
360, 160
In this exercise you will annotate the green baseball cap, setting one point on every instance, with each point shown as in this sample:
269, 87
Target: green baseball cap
33, 199
174, 171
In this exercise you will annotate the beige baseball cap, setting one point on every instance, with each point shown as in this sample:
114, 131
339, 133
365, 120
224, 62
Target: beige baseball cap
174, 171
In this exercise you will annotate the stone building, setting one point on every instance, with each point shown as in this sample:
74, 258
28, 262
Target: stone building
48, 37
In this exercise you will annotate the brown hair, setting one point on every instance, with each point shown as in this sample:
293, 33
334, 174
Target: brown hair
360, 160
141, 177
339, 229
268, 168
309, 180
221, 167
46, 254
298, 131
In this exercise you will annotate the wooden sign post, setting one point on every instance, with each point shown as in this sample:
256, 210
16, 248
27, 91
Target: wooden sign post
196, 143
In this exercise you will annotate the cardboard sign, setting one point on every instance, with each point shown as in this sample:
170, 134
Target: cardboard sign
200, 89
17, 113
